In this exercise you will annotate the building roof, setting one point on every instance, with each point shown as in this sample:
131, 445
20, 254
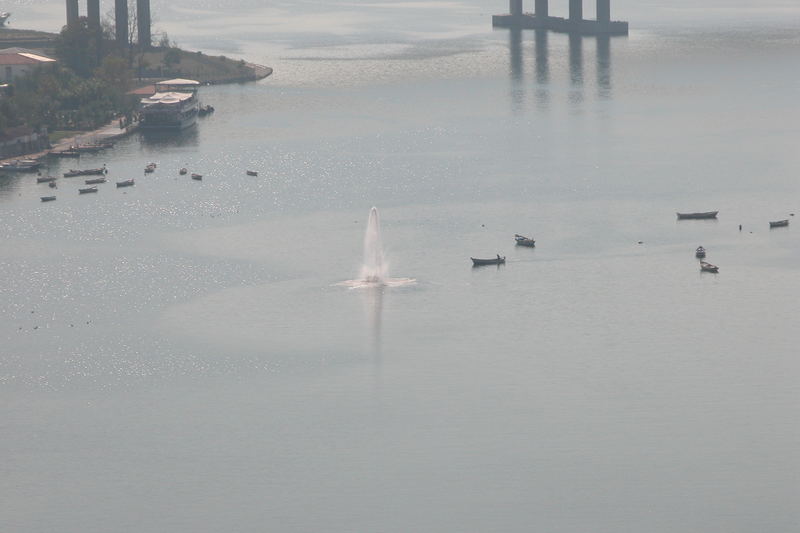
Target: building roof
23, 56
166, 98
178, 82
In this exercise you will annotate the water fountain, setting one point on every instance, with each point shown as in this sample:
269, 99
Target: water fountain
375, 268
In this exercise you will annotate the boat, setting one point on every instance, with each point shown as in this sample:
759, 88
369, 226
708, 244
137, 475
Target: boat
150, 168
45, 179
524, 241
65, 153
3, 18
700, 252
21, 165
494, 261
48, 198
252, 173
197, 177
87, 190
86, 172
52, 184
174, 106
706, 214
91, 148
95, 181
205, 110
182, 171
779, 223
708, 267
126, 183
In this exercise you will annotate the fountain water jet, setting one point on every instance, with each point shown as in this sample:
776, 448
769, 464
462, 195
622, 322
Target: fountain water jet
375, 268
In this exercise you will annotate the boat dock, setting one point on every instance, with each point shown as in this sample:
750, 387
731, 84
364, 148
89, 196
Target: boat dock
575, 23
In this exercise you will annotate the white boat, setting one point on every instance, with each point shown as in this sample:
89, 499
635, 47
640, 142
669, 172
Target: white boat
4, 17
174, 106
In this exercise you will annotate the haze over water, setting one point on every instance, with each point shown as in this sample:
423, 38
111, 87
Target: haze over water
180, 356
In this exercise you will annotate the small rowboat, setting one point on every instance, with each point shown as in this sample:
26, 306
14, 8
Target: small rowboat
708, 267
52, 184
45, 179
707, 214
48, 198
494, 261
700, 252
252, 173
87, 190
65, 153
182, 171
197, 177
524, 241
150, 168
95, 181
779, 223
126, 183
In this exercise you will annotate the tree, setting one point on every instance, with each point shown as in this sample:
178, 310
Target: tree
78, 47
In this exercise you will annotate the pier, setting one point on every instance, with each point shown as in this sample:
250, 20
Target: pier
540, 19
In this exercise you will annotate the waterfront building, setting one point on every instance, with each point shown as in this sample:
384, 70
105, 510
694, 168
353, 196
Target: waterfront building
174, 106
16, 62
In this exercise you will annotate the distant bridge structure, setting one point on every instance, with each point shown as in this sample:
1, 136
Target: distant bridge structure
143, 21
540, 19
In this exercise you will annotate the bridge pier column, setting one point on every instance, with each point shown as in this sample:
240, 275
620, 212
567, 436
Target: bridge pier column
576, 10
93, 14
515, 8
72, 13
604, 11
143, 23
121, 22
542, 9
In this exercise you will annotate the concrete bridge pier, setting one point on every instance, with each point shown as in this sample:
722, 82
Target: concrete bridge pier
603, 11
542, 8
576, 10
143, 23
73, 13
515, 8
121, 22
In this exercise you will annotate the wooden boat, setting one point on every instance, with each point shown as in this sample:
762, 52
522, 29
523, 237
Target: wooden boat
779, 223
707, 214
21, 165
150, 168
708, 267
95, 181
87, 190
182, 171
494, 261
65, 153
197, 177
700, 252
52, 184
86, 172
204, 110
126, 183
252, 173
524, 241
45, 179
48, 198
91, 148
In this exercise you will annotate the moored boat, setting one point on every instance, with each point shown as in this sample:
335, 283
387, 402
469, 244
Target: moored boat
182, 171
700, 252
494, 261
197, 177
95, 181
779, 223
45, 179
65, 153
86, 172
125, 183
48, 198
705, 214
150, 168
87, 190
524, 241
21, 165
708, 267
252, 173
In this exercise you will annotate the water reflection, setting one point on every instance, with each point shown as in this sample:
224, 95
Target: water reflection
187, 137
575, 64
373, 299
